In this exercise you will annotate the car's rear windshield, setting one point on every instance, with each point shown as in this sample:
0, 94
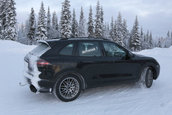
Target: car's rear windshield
40, 49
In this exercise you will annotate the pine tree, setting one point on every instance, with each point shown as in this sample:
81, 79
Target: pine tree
32, 27
90, 24
168, 34
159, 43
57, 25
82, 29
102, 21
42, 29
150, 40
112, 36
98, 22
106, 31
168, 40
135, 37
1, 20
125, 34
142, 39
119, 30
54, 33
74, 25
65, 22
115, 32
48, 24
26, 30
8, 20
55, 22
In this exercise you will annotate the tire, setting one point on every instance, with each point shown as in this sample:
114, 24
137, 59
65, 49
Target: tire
146, 78
67, 88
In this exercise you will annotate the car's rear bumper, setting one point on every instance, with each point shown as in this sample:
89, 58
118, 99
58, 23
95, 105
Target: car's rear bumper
38, 85
32, 76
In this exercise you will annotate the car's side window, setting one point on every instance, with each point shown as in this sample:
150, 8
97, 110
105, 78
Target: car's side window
89, 49
112, 50
67, 50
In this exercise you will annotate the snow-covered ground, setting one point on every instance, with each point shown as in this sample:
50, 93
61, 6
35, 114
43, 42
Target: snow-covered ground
111, 100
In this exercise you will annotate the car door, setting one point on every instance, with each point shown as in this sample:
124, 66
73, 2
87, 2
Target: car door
89, 57
117, 66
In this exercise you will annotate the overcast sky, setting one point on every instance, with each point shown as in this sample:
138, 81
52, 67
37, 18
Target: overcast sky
154, 15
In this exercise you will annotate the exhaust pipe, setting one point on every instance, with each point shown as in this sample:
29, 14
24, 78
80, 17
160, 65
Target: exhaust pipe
33, 89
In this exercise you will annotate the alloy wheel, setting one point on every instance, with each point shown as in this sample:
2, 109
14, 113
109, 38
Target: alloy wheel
69, 88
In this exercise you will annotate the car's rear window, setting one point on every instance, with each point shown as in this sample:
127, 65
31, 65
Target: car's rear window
67, 50
40, 49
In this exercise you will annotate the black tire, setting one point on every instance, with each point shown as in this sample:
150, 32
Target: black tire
146, 78
67, 88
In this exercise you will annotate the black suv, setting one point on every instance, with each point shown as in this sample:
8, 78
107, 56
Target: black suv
67, 66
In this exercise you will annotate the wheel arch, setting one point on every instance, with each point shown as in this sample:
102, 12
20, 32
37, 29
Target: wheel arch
152, 67
154, 71
75, 72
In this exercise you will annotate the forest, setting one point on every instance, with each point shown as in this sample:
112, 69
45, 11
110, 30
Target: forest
47, 25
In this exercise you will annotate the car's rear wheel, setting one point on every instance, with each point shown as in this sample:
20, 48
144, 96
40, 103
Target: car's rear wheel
146, 78
68, 88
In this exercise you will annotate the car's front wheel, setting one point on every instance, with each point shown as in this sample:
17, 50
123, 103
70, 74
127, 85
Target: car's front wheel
146, 78
68, 88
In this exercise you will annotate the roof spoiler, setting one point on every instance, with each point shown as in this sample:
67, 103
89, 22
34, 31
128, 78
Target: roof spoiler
43, 42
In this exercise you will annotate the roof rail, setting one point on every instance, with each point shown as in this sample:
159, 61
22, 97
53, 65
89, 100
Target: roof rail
81, 38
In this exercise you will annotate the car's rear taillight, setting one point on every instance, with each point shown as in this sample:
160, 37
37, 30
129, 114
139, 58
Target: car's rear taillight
41, 63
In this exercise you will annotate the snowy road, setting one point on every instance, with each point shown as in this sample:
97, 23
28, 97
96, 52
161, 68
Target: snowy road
111, 100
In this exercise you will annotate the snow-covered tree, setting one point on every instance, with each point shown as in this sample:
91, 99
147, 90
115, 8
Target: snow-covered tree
142, 39
54, 32
4, 4
1, 20
74, 25
168, 40
90, 24
54, 21
32, 27
150, 40
135, 37
146, 40
119, 30
161, 42
115, 32
8, 20
101, 15
125, 34
65, 22
98, 22
82, 28
21, 30
22, 35
106, 31
49, 24
102, 21
42, 29
111, 33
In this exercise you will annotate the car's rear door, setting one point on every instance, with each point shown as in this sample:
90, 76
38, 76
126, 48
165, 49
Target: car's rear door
90, 58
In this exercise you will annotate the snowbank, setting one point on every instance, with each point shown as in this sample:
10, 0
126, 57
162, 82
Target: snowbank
112, 100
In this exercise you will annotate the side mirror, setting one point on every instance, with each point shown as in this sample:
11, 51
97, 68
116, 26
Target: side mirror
129, 55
